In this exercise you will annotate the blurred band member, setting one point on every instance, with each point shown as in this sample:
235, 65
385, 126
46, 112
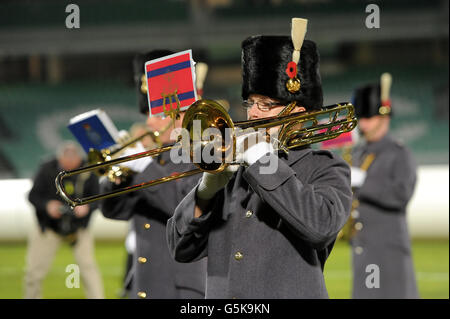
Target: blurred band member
384, 177
268, 235
58, 223
138, 129
155, 273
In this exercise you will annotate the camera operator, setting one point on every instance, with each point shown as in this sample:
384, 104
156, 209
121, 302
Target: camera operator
58, 223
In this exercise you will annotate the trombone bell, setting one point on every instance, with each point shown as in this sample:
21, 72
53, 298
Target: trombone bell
208, 114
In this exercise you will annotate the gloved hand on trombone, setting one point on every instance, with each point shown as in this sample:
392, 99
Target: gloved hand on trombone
249, 149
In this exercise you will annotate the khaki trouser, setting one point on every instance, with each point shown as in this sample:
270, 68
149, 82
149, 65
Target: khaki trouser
42, 247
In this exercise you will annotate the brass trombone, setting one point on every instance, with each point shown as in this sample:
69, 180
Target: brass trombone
297, 129
106, 155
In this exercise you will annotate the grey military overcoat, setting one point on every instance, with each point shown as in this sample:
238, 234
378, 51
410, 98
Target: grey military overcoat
268, 235
155, 273
383, 239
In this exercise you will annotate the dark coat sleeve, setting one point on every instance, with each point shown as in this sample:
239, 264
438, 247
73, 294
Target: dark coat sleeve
163, 198
157, 201
187, 236
124, 206
391, 190
119, 207
314, 207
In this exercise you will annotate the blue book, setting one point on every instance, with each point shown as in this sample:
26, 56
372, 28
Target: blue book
94, 129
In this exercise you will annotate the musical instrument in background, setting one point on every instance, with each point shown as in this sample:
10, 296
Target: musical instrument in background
104, 156
351, 227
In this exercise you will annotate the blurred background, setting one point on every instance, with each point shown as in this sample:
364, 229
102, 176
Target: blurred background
49, 73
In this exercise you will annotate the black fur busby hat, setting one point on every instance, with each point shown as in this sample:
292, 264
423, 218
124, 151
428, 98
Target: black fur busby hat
139, 75
266, 69
373, 99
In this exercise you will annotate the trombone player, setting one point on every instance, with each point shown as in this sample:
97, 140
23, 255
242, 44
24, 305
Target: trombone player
268, 235
155, 274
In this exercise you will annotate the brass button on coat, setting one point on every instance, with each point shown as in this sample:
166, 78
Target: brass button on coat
147, 226
359, 250
141, 294
248, 214
142, 260
238, 255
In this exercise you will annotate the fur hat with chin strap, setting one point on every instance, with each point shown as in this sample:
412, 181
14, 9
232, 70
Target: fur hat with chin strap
271, 63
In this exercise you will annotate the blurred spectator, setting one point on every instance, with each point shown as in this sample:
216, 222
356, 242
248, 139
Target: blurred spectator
58, 223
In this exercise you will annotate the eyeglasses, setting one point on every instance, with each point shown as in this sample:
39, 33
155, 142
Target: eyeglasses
262, 106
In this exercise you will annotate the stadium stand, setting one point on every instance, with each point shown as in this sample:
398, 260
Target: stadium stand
37, 115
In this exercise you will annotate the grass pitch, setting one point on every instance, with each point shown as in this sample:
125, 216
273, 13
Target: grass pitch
431, 262
431, 265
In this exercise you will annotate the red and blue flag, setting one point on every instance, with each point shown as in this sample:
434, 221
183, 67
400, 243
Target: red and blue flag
170, 78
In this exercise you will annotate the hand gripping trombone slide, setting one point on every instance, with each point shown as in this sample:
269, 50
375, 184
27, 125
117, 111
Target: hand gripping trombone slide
297, 129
